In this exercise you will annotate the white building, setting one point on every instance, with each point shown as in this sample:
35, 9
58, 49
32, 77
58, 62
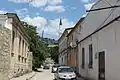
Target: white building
99, 43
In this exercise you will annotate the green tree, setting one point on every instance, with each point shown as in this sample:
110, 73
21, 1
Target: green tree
54, 53
37, 46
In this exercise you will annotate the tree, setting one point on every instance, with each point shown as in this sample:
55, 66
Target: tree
37, 46
54, 53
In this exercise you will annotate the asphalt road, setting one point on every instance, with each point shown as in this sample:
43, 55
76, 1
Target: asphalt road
43, 75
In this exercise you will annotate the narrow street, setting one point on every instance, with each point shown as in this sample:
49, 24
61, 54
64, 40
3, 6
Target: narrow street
43, 75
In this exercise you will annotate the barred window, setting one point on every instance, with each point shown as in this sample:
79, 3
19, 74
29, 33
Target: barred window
90, 56
83, 57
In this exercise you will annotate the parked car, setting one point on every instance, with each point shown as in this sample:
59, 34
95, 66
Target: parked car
54, 68
46, 67
64, 73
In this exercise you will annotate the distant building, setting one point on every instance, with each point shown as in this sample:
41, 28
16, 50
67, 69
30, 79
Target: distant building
15, 47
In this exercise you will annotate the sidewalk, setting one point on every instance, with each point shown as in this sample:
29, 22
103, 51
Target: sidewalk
25, 77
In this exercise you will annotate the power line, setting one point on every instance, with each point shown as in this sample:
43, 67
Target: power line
106, 2
109, 14
116, 6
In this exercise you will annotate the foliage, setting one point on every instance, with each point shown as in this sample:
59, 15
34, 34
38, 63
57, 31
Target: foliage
37, 46
54, 53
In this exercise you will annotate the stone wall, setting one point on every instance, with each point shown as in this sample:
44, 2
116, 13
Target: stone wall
5, 40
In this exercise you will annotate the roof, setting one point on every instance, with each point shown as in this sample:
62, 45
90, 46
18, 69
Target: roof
13, 15
81, 19
67, 29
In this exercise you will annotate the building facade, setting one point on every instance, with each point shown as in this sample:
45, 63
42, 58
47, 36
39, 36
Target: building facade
72, 48
99, 43
63, 56
20, 58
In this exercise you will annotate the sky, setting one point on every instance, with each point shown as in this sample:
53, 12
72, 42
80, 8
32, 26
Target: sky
46, 14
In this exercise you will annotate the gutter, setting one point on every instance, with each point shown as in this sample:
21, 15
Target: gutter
115, 19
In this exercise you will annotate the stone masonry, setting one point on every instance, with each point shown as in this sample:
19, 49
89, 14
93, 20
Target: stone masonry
5, 40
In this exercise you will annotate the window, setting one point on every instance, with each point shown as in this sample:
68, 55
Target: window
19, 58
90, 56
25, 49
22, 59
12, 54
22, 47
19, 44
64, 70
13, 39
83, 57
72, 37
25, 60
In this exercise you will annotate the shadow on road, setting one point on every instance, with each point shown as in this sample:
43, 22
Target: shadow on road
38, 70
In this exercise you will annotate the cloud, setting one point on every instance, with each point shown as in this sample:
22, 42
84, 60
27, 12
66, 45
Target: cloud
37, 13
53, 28
20, 1
87, 1
84, 15
50, 27
88, 6
36, 21
73, 8
54, 8
3, 11
38, 3
48, 5
54, 2
34, 3
22, 12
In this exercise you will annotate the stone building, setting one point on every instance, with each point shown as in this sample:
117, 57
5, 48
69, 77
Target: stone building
15, 57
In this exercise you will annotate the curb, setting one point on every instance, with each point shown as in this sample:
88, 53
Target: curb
31, 76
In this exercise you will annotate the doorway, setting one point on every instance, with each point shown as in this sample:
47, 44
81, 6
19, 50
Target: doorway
101, 65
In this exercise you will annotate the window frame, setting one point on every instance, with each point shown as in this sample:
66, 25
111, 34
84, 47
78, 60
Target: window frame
83, 58
90, 56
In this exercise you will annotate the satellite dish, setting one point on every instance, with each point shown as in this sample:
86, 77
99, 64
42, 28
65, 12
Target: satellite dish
72, 45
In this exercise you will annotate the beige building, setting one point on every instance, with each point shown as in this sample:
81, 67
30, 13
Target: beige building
18, 55
72, 48
63, 47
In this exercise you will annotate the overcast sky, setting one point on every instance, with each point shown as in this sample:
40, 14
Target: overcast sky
45, 14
